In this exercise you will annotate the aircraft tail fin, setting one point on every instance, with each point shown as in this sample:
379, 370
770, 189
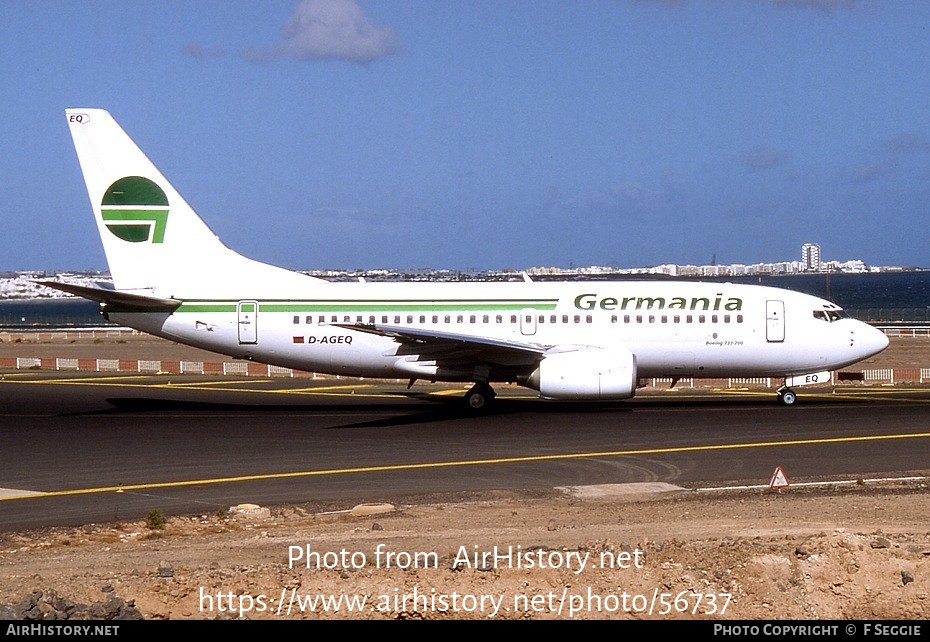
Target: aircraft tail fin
155, 243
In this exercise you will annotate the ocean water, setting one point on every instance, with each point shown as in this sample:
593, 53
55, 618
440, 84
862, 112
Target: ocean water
51, 313
878, 297
856, 291
882, 297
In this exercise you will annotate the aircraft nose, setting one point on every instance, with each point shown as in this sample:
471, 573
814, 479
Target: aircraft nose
870, 340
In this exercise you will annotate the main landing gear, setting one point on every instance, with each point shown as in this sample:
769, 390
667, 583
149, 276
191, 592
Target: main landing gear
480, 397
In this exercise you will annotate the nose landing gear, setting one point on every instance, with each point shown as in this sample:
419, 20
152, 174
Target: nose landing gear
786, 396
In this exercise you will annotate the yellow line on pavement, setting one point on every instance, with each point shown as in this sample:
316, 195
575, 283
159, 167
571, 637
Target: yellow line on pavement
468, 462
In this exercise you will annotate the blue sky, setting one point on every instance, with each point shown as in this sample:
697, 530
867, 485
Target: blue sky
483, 134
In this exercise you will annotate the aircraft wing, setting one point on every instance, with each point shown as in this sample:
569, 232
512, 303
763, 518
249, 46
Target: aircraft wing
439, 339
114, 299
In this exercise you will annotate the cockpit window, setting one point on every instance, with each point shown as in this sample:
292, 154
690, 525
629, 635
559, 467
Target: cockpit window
831, 315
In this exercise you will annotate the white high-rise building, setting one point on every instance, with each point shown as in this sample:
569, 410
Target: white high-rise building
810, 257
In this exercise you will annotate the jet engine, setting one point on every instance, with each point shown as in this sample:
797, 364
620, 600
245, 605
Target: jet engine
585, 373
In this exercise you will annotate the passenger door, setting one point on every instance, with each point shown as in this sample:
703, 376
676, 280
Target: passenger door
775, 321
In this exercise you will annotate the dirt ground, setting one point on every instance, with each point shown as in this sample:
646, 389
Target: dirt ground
841, 552
857, 550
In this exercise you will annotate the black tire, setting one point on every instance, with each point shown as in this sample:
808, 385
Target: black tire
787, 397
479, 398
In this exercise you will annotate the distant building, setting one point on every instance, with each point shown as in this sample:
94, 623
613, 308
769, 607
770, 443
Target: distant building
810, 257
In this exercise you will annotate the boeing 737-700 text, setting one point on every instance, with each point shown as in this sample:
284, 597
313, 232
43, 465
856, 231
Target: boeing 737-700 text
173, 278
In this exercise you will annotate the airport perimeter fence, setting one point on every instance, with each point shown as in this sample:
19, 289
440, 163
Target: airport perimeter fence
889, 376
891, 315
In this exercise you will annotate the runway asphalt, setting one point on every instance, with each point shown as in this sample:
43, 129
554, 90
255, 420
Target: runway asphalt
78, 448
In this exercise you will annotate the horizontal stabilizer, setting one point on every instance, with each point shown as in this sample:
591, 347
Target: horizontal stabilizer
125, 301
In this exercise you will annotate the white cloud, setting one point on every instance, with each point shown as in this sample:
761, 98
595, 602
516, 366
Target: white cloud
335, 30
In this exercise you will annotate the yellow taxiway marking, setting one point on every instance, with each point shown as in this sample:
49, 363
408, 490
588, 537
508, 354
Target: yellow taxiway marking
864, 394
466, 462
198, 384
134, 382
87, 380
312, 389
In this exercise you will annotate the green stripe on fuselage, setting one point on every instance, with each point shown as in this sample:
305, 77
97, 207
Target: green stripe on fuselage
377, 306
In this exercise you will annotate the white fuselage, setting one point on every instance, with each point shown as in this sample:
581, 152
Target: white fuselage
674, 328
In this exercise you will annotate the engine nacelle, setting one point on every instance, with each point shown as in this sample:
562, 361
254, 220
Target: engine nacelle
586, 373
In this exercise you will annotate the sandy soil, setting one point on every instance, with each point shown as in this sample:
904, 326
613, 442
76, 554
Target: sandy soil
844, 552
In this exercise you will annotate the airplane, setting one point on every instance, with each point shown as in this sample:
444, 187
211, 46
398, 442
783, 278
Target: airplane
597, 340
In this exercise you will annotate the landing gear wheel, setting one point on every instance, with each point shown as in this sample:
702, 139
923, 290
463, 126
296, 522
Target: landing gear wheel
479, 398
787, 397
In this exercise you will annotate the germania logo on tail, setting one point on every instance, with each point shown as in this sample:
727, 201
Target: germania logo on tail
174, 278
135, 209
